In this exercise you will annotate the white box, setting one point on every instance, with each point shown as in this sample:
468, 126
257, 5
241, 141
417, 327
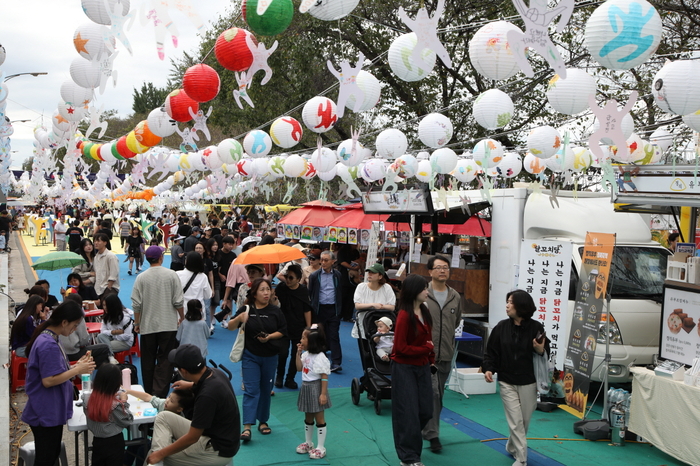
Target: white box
677, 271
472, 382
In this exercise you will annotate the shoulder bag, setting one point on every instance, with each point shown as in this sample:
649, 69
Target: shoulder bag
239, 345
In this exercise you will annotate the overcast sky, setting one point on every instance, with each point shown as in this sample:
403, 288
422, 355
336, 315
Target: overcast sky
38, 36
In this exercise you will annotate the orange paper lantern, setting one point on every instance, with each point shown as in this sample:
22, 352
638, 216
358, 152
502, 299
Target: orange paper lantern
145, 136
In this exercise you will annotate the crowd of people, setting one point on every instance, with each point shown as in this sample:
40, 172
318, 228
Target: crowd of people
291, 327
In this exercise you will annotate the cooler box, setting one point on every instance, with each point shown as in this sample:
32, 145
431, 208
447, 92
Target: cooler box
471, 382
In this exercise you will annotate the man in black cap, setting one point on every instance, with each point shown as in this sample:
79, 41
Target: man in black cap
192, 240
212, 437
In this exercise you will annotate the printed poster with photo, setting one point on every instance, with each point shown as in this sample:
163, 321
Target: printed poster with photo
332, 234
297, 232
288, 232
364, 238
306, 233
317, 234
280, 230
342, 235
405, 237
352, 235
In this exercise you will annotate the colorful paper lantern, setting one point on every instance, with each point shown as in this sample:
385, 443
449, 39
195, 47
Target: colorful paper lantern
561, 161
487, 153
372, 91
466, 170
71, 92
178, 105
274, 20
435, 130
160, 123
373, 170
230, 151
201, 82
583, 159
310, 171
89, 42
402, 64
490, 52
635, 150
123, 149
232, 51
286, 132
693, 120
331, 10
621, 34
294, 166
510, 166
391, 143
570, 96
662, 138
405, 166
493, 109
424, 172
671, 89
533, 165
319, 114
70, 111
277, 166
145, 136
345, 155
544, 141
324, 160
257, 143
85, 73
96, 10
443, 160
134, 145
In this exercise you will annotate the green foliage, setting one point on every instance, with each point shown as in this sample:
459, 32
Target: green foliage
148, 98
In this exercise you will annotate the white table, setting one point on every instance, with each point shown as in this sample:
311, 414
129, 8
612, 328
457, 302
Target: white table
450, 383
78, 423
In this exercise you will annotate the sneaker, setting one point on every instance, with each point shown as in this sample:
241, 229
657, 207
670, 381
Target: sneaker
211, 329
418, 463
305, 448
290, 384
317, 453
278, 382
113, 361
336, 368
129, 272
520, 463
138, 269
224, 324
435, 445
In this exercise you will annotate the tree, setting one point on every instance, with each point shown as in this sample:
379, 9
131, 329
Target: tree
28, 164
148, 98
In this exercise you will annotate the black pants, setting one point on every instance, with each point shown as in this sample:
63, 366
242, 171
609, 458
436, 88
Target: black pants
177, 266
47, 444
331, 323
282, 362
412, 408
156, 370
108, 451
100, 353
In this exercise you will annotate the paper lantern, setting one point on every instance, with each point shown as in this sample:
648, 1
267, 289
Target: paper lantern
621, 34
96, 10
405, 166
123, 149
71, 92
70, 111
134, 145
544, 141
391, 143
106, 153
510, 166
191, 161
662, 138
85, 73
3, 54
310, 171
533, 165
424, 171
178, 105
693, 121
652, 154
402, 64
324, 160
294, 166
331, 10
59, 124
561, 161
257, 143
173, 162
435, 130
230, 151
277, 166
372, 91
488, 153
319, 114
671, 89
89, 42
493, 109
490, 52
570, 96
466, 170
232, 51
443, 161
201, 82
160, 123
286, 132
345, 155
329, 175
627, 125
274, 20
145, 136
635, 150
582, 159
373, 170
261, 166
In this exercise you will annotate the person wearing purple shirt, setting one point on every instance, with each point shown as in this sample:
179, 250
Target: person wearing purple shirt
48, 386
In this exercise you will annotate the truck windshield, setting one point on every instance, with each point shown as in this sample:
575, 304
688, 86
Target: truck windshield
638, 272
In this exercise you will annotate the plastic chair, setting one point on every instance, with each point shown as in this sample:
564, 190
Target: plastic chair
18, 369
135, 350
27, 454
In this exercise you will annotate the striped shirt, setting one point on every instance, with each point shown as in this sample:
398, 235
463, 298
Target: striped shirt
156, 295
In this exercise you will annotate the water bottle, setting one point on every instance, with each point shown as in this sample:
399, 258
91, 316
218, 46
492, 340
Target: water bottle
87, 383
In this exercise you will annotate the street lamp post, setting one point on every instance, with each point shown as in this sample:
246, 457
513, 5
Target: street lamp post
36, 73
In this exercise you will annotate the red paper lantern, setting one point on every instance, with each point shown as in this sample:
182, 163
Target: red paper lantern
232, 50
201, 82
123, 150
177, 105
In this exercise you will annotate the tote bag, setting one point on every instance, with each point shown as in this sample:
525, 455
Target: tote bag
239, 345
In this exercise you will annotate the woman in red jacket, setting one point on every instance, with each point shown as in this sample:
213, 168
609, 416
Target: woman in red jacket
412, 358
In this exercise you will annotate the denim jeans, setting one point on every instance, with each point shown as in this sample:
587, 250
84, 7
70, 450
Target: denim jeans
258, 372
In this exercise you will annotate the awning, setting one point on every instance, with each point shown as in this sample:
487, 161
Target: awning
357, 218
312, 216
475, 226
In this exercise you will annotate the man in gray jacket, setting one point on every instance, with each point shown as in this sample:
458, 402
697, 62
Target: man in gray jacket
445, 306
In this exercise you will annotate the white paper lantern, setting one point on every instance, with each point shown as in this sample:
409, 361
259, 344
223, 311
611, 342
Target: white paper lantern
294, 166
229, 168
652, 154
173, 162
3, 54
85, 73
405, 166
635, 150
391, 143
693, 121
533, 165
310, 171
160, 123
510, 166
570, 96
544, 141
107, 155
488, 153
443, 161
562, 160
373, 170
71, 92
424, 172
245, 167
490, 52
627, 125
329, 175
582, 159
96, 10
435, 130
621, 34
257, 143
331, 10
276, 165
230, 151
261, 166
211, 158
493, 109
286, 132
71, 112
466, 170
662, 138
402, 64
319, 114
89, 42
325, 160
59, 124
372, 92
346, 157
191, 162
672, 87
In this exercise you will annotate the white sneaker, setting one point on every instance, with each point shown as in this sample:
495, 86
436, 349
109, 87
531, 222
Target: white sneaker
520, 463
224, 324
305, 448
112, 360
317, 453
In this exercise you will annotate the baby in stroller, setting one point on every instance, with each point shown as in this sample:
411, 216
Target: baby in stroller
384, 338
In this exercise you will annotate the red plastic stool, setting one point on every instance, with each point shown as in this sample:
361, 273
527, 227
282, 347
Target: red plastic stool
18, 369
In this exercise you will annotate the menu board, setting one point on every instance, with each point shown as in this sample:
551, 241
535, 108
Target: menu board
680, 325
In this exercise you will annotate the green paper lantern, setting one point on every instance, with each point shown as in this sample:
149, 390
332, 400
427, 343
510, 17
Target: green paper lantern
275, 19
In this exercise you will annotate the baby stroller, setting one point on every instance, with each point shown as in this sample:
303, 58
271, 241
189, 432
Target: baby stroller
377, 373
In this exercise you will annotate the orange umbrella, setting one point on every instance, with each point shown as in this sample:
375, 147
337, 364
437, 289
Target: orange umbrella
270, 254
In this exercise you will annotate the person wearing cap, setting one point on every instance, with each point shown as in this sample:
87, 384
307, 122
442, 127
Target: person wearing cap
314, 265
157, 301
211, 437
106, 265
192, 240
326, 293
376, 293
177, 254
445, 306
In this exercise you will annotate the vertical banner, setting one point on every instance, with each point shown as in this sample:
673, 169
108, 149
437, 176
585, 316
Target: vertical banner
373, 247
545, 267
590, 301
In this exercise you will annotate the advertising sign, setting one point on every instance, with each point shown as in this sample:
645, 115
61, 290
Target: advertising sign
680, 332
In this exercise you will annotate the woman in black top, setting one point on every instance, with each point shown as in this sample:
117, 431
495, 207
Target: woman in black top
265, 324
509, 352
88, 293
293, 299
135, 248
211, 266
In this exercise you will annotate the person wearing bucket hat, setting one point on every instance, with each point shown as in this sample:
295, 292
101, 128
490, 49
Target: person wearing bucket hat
376, 293
211, 437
